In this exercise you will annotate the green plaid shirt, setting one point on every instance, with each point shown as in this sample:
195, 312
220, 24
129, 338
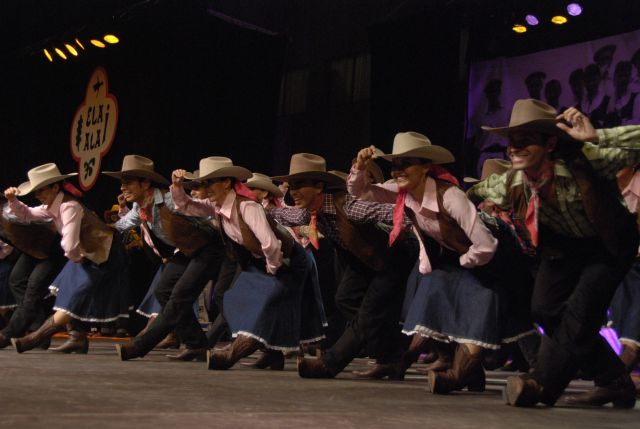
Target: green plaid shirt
617, 148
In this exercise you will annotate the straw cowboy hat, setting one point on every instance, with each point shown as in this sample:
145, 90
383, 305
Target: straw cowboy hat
530, 115
416, 145
137, 166
489, 167
262, 181
309, 166
218, 167
41, 176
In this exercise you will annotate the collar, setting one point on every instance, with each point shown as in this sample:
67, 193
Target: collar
54, 208
158, 196
227, 205
430, 198
559, 170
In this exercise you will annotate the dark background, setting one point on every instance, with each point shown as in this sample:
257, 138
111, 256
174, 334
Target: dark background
195, 78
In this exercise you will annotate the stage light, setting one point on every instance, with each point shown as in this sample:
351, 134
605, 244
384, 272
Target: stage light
559, 20
574, 9
519, 28
48, 55
111, 39
80, 44
71, 49
532, 20
60, 53
97, 43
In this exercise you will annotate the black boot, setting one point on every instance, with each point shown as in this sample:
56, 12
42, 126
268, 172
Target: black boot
77, 342
34, 339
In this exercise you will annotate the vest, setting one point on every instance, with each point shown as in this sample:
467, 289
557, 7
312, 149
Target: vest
34, 239
95, 236
367, 242
610, 219
188, 236
251, 245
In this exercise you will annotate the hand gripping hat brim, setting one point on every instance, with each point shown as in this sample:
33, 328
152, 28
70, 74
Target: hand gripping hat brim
415, 145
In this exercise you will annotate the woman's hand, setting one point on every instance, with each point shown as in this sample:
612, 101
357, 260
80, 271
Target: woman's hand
365, 156
177, 177
11, 193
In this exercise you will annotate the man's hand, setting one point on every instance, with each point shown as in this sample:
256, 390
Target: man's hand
122, 201
177, 177
581, 128
365, 156
11, 193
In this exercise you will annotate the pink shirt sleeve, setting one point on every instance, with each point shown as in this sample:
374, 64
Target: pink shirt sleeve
359, 186
71, 217
483, 243
255, 218
28, 214
190, 206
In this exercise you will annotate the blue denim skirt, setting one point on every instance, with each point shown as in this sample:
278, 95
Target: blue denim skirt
625, 306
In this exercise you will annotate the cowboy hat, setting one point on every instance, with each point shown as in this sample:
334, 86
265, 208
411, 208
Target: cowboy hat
41, 176
137, 166
262, 181
530, 115
192, 181
214, 167
416, 145
489, 167
309, 166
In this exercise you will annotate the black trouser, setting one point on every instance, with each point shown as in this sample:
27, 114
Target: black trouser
375, 325
228, 273
182, 281
573, 287
29, 282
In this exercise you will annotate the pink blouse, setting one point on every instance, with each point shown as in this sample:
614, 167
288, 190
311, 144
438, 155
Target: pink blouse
66, 217
252, 213
483, 243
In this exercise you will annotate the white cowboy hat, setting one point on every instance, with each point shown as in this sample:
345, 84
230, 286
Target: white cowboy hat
137, 166
309, 166
416, 145
262, 181
41, 176
217, 167
489, 167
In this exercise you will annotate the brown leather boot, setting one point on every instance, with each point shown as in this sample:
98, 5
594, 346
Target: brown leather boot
128, 351
314, 368
630, 356
169, 342
392, 370
188, 355
241, 347
34, 339
621, 392
272, 359
466, 371
522, 391
418, 345
77, 342
146, 327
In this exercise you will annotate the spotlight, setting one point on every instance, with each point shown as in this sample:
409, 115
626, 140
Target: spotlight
80, 44
71, 49
60, 53
559, 20
532, 20
48, 55
574, 9
97, 43
519, 28
111, 39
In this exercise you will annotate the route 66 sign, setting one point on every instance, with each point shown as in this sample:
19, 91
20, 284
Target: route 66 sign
93, 128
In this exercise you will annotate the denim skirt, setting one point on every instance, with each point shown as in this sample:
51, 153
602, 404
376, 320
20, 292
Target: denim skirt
625, 307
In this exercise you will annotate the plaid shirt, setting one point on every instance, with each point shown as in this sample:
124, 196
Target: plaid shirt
617, 148
357, 211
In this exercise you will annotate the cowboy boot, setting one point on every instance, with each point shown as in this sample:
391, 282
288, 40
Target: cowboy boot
34, 339
392, 370
621, 392
77, 342
171, 341
314, 368
522, 391
466, 371
146, 327
243, 346
418, 345
128, 351
4, 341
630, 356
442, 362
272, 359
188, 355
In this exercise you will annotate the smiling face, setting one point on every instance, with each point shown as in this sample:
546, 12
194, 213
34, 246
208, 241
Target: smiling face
410, 173
529, 150
47, 194
134, 189
217, 189
305, 192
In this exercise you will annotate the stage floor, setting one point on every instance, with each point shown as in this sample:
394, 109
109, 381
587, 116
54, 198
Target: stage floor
39, 389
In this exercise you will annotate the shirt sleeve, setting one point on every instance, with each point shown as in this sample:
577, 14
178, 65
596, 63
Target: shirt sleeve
25, 213
370, 212
493, 188
255, 218
190, 206
359, 186
71, 217
122, 211
616, 149
483, 243
291, 216
129, 220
